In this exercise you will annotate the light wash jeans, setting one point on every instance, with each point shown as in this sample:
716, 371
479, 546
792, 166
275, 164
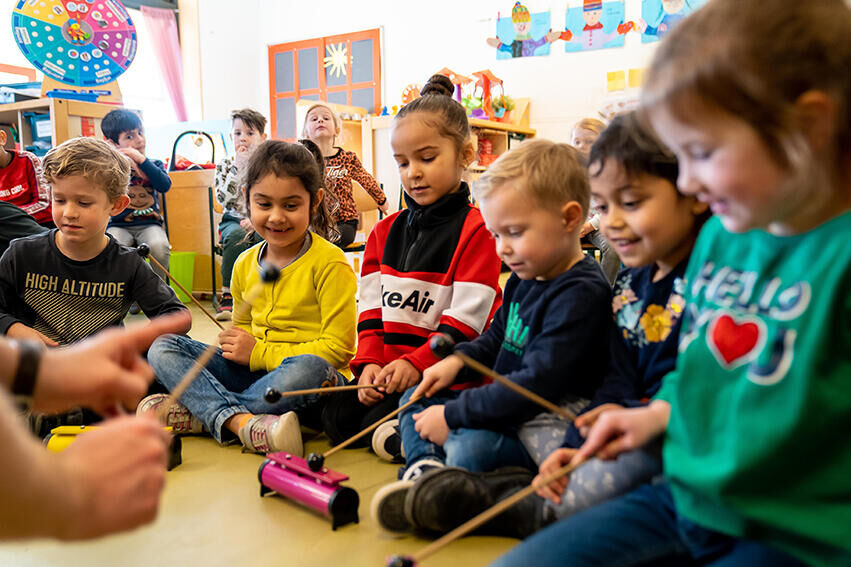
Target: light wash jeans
151, 234
225, 388
477, 450
641, 528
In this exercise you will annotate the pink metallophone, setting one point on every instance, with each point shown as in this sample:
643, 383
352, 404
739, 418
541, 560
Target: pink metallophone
290, 476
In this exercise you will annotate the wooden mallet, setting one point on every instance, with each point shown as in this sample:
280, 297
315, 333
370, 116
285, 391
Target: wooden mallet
273, 396
442, 345
145, 252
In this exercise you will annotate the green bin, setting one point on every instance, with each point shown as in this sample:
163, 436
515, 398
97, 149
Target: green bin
181, 265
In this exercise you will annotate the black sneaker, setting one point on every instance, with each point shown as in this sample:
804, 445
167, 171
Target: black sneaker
388, 504
224, 310
443, 499
387, 442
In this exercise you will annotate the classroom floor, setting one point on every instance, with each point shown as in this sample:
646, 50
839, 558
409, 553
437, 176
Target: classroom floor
212, 514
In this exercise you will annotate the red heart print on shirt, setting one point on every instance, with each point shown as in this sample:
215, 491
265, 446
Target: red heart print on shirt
734, 343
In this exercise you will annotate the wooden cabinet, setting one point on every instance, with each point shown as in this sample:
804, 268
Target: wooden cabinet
68, 118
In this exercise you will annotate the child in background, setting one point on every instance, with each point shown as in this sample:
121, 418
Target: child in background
633, 180
584, 134
297, 334
22, 183
248, 130
322, 126
429, 268
124, 129
551, 334
754, 100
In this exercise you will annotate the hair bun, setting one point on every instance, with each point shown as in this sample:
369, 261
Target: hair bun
438, 85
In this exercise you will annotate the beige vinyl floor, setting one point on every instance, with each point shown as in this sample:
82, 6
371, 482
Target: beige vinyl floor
212, 515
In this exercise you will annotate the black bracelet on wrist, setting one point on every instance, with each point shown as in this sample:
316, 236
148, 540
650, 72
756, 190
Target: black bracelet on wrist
28, 361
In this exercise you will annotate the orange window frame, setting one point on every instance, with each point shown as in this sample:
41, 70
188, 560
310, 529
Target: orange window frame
321, 44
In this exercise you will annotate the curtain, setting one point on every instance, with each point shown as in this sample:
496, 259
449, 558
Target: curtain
163, 27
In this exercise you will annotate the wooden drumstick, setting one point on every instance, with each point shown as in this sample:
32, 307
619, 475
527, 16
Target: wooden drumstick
487, 515
268, 274
443, 346
145, 252
273, 396
315, 461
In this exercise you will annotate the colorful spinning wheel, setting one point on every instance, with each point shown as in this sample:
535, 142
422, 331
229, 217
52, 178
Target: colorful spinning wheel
82, 43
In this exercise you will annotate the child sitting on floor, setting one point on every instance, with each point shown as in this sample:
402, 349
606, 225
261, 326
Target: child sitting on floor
550, 334
633, 182
299, 333
428, 268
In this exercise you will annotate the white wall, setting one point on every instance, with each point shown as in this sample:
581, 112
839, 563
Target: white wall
418, 39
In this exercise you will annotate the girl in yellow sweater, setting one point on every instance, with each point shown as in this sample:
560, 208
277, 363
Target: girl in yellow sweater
300, 332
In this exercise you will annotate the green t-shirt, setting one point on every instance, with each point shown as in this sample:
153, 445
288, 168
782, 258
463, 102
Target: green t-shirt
759, 441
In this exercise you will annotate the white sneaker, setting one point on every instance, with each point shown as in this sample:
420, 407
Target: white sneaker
387, 442
176, 416
272, 433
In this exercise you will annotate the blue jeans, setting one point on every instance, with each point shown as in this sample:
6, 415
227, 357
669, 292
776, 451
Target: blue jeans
641, 528
477, 450
225, 388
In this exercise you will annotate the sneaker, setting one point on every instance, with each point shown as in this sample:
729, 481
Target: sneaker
388, 504
387, 442
272, 433
443, 499
224, 310
177, 416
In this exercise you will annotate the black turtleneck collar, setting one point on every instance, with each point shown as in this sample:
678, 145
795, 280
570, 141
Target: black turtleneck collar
440, 211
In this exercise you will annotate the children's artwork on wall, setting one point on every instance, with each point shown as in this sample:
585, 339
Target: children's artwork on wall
658, 17
523, 34
593, 24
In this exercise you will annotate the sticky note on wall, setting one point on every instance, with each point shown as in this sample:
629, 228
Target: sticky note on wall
615, 81
636, 78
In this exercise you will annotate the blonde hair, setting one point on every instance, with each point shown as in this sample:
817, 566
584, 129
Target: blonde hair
752, 61
551, 173
94, 160
590, 124
338, 123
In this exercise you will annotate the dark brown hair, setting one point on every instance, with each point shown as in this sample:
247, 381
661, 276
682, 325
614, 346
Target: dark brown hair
250, 118
436, 98
283, 159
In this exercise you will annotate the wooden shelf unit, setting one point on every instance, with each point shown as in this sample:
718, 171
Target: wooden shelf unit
67, 118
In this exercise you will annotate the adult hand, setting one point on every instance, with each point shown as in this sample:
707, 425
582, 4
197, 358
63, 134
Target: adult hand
369, 396
22, 332
431, 425
237, 345
398, 376
104, 370
619, 431
439, 376
108, 480
556, 460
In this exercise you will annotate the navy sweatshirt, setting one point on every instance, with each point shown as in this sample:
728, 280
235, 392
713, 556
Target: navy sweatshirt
552, 337
648, 316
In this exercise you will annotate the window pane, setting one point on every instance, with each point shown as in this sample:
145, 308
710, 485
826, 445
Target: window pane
338, 98
308, 70
285, 116
310, 97
335, 68
284, 82
362, 61
364, 98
